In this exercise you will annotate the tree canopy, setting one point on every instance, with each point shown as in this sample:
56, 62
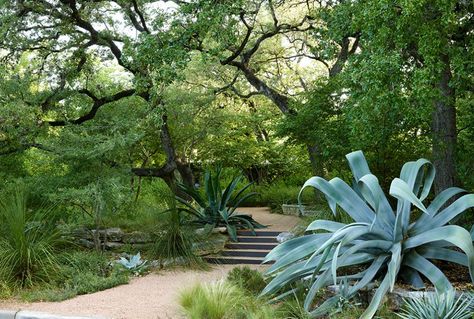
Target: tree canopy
121, 90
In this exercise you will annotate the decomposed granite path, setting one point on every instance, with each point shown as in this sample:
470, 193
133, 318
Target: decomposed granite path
154, 296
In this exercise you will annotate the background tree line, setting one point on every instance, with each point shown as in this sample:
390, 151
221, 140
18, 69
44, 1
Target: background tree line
115, 91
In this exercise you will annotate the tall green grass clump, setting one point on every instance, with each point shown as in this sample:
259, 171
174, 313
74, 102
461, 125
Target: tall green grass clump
223, 300
28, 240
173, 237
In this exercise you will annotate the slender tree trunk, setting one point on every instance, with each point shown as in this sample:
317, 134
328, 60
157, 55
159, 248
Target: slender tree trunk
444, 131
315, 159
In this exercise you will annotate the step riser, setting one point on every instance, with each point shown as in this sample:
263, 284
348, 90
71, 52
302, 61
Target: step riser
243, 253
250, 246
258, 233
224, 261
257, 240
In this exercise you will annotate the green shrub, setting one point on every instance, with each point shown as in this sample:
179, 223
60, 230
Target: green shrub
281, 192
381, 242
80, 272
248, 279
28, 241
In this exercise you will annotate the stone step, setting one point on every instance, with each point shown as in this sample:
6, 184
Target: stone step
256, 239
235, 260
259, 233
252, 246
244, 253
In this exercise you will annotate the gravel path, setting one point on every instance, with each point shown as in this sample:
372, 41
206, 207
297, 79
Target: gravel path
153, 296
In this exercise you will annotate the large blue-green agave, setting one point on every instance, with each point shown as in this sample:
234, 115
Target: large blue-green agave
385, 242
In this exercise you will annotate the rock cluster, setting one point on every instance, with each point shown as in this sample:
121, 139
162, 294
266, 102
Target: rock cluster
110, 238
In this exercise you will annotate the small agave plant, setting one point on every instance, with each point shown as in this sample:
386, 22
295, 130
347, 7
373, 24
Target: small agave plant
384, 243
135, 263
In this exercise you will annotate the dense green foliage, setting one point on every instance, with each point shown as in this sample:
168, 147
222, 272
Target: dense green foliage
248, 279
387, 243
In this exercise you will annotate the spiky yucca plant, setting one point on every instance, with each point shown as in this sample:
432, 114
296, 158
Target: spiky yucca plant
438, 306
28, 240
383, 243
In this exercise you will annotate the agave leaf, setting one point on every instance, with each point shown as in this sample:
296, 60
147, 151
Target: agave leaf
442, 198
369, 184
394, 264
233, 201
369, 275
372, 192
354, 230
325, 307
289, 245
413, 174
440, 253
429, 270
232, 231
400, 190
436, 204
328, 225
412, 277
377, 298
297, 253
384, 245
321, 281
351, 202
211, 191
324, 278
447, 214
240, 201
289, 275
358, 164
337, 191
334, 263
228, 192
456, 235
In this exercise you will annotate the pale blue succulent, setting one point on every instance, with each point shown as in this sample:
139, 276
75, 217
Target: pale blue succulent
384, 243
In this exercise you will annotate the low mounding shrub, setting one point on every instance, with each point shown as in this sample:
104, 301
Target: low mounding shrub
439, 306
28, 241
80, 272
222, 300
248, 279
381, 243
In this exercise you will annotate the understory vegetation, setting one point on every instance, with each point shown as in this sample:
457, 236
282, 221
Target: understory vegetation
238, 297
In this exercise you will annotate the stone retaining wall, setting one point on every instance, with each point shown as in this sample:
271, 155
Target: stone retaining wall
110, 238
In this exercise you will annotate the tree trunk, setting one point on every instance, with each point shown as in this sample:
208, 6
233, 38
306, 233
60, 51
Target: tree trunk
186, 172
444, 131
315, 159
